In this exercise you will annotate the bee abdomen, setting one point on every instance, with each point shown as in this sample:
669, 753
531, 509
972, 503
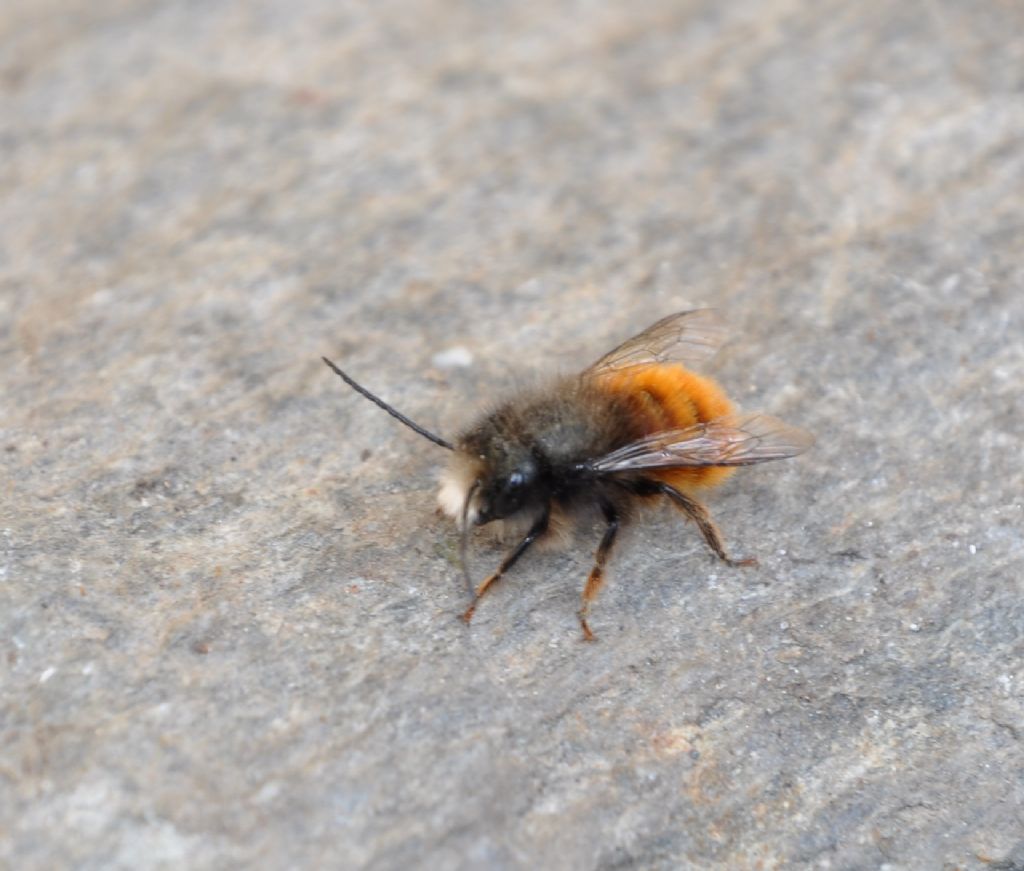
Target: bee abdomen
669, 396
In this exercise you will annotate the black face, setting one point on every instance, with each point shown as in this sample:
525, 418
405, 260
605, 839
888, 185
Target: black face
504, 494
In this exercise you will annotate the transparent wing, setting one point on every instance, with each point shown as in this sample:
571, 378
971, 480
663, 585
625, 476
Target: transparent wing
686, 337
736, 440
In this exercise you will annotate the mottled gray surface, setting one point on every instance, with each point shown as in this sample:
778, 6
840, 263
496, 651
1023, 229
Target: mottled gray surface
227, 606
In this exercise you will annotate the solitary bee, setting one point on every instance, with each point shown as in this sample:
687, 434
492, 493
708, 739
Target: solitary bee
636, 426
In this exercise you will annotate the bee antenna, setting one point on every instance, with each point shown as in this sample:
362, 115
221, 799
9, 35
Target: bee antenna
464, 539
394, 412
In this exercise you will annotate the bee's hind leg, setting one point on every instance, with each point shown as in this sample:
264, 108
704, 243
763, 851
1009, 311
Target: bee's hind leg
596, 578
540, 526
699, 515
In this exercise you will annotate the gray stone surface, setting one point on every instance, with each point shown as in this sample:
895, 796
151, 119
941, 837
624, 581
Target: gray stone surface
227, 606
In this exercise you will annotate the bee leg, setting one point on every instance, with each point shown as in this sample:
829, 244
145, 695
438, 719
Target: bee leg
596, 578
699, 515
540, 526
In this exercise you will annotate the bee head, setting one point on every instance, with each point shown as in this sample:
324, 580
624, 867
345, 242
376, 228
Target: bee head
492, 477
508, 486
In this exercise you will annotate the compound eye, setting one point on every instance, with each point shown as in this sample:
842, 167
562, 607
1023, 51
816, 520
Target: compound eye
509, 497
514, 487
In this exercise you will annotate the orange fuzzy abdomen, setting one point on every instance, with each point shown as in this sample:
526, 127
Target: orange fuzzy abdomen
665, 396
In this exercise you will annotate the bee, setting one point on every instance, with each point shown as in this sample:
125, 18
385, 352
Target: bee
636, 427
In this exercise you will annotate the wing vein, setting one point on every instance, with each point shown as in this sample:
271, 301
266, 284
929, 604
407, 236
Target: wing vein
735, 440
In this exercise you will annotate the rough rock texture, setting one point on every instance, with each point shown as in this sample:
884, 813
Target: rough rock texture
227, 606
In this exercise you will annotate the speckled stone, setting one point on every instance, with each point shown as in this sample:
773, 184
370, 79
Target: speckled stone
227, 606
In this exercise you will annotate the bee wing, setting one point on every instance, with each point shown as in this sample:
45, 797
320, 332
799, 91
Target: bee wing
736, 440
686, 337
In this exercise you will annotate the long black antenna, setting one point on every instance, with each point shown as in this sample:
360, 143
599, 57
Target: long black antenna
464, 541
395, 413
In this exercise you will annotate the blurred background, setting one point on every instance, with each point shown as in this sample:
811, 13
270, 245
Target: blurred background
227, 607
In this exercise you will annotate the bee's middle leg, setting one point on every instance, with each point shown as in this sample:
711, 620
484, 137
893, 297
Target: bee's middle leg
596, 578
